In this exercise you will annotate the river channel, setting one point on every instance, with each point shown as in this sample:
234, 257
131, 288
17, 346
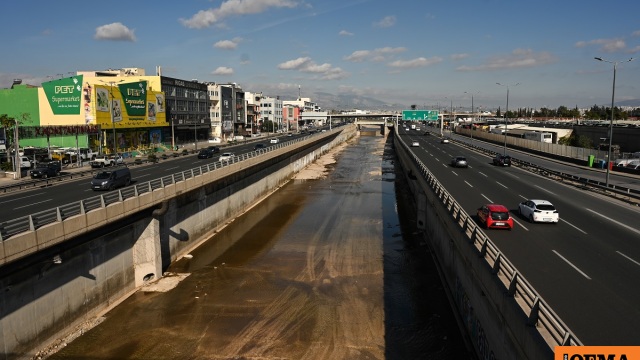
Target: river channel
330, 266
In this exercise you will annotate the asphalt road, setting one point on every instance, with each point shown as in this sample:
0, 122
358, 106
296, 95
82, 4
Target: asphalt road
586, 267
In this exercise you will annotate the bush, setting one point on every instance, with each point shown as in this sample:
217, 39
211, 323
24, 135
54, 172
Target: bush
6, 166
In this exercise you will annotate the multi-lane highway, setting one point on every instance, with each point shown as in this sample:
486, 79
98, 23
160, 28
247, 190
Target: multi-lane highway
586, 267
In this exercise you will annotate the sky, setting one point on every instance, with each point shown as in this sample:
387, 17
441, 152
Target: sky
432, 54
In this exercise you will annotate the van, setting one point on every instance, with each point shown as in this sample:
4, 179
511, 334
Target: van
109, 180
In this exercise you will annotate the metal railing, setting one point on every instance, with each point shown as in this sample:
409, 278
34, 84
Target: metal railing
539, 313
9, 228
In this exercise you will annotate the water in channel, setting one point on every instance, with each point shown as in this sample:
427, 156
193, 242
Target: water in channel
328, 267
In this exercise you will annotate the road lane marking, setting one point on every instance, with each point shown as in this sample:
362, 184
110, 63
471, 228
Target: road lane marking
468, 183
504, 186
36, 203
573, 266
543, 189
573, 226
616, 222
171, 168
489, 200
20, 198
628, 258
454, 173
483, 174
518, 222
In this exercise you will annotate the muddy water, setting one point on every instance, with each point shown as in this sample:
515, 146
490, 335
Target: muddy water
322, 269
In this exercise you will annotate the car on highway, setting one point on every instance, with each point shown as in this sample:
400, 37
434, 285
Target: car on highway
459, 161
274, 141
259, 147
502, 160
205, 154
495, 216
444, 141
214, 149
45, 170
415, 143
536, 210
227, 156
109, 180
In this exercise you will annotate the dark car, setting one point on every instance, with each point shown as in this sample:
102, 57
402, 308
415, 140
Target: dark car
46, 169
259, 147
109, 180
205, 154
214, 149
502, 160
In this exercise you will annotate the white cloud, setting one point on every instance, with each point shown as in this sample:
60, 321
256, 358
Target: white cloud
229, 8
414, 63
222, 70
519, 58
373, 55
227, 44
387, 21
115, 31
345, 33
606, 45
306, 65
459, 56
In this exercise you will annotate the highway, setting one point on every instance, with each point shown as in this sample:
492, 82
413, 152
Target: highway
585, 267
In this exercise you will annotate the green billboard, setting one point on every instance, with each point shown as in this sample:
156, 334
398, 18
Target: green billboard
134, 96
420, 115
64, 95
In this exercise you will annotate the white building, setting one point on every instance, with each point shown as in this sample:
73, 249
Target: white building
271, 111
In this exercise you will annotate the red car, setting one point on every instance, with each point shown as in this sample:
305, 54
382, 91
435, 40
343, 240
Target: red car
495, 216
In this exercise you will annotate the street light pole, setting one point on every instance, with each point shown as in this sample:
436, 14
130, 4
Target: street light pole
613, 94
473, 118
505, 117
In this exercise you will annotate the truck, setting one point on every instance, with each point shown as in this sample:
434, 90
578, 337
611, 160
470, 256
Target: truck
539, 136
106, 160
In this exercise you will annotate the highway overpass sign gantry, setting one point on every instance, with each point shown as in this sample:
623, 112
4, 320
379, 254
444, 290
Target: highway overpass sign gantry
420, 115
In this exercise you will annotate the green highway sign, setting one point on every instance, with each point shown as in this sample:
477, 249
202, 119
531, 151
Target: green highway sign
420, 115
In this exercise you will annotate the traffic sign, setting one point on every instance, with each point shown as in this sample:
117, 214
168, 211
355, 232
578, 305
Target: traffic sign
420, 115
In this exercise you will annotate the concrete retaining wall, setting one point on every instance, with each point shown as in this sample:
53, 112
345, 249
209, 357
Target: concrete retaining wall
42, 300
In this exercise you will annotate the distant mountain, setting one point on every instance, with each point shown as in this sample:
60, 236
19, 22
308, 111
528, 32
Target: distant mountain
631, 103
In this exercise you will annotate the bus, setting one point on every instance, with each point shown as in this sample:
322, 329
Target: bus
539, 136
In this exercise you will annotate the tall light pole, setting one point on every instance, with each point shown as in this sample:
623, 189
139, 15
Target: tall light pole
613, 94
113, 122
505, 116
472, 115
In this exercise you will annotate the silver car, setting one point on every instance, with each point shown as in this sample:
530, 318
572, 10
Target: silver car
459, 161
226, 156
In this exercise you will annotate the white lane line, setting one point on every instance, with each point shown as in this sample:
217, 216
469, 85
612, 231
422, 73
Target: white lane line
573, 226
573, 266
628, 258
518, 222
20, 198
616, 222
31, 204
139, 176
455, 173
504, 186
543, 189
483, 174
489, 200
171, 168
468, 183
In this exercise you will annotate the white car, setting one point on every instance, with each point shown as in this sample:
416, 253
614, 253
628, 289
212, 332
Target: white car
444, 141
215, 140
274, 141
226, 156
415, 143
536, 210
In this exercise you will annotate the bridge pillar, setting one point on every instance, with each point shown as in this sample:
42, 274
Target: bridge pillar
147, 252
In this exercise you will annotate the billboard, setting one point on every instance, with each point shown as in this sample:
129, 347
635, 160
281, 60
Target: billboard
64, 95
420, 115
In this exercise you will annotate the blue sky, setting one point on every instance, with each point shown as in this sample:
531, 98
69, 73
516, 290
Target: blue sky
423, 52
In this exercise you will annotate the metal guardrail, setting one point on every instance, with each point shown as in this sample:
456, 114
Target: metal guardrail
539, 313
9, 228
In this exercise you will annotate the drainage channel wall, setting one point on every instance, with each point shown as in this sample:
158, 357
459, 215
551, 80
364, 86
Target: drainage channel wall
43, 300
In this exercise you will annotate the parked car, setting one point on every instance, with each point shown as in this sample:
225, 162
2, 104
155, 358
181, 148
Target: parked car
274, 141
107, 160
495, 216
259, 147
538, 211
415, 143
214, 140
205, 154
459, 161
46, 169
502, 160
109, 180
227, 156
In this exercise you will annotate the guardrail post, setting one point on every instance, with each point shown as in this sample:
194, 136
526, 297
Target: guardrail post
512, 284
533, 315
58, 215
32, 226
103, 203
